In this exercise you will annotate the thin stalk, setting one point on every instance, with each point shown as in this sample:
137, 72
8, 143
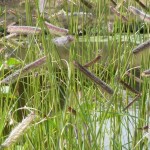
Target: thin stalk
14, 76
142, 15
24, 29
142, 4
131, 103
18, 131
141, 47
95, 79
128, 86
92, 61
146, 73
56, 30
117, 13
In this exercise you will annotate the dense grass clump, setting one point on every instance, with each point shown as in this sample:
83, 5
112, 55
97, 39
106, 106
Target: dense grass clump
74, 74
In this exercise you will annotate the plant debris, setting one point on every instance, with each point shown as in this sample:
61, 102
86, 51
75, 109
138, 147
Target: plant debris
95, 79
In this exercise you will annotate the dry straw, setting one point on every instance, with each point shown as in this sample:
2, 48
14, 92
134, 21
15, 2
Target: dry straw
63, 41
142, 15
118, 14
24, 29
127, 86
42, 5
92, 62
141, 47
56, 30
146, 73
113, 3
11, 36
93, 78
129, 74
131, 103
14, 76
87, 4
18, 131
142, 4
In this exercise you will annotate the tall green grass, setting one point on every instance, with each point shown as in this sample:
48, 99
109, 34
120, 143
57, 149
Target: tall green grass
57, 88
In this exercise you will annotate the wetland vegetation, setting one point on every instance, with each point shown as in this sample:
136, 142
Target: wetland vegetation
74, 74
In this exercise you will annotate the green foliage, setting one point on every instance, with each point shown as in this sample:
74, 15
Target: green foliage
72, 111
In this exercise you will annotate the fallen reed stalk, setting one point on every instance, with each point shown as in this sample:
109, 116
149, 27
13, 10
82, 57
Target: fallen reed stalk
136, 67
114, 3
11, 35
144, 128
125, 85
18, 131
142, 15
95, 79
141, 47
117, 13
146, 73
24, 29
93, 61
71, 110
56, 30
131, 103
120, 4
19, 73
142, 4
129, 74
63, 41
87, 4
42, 5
